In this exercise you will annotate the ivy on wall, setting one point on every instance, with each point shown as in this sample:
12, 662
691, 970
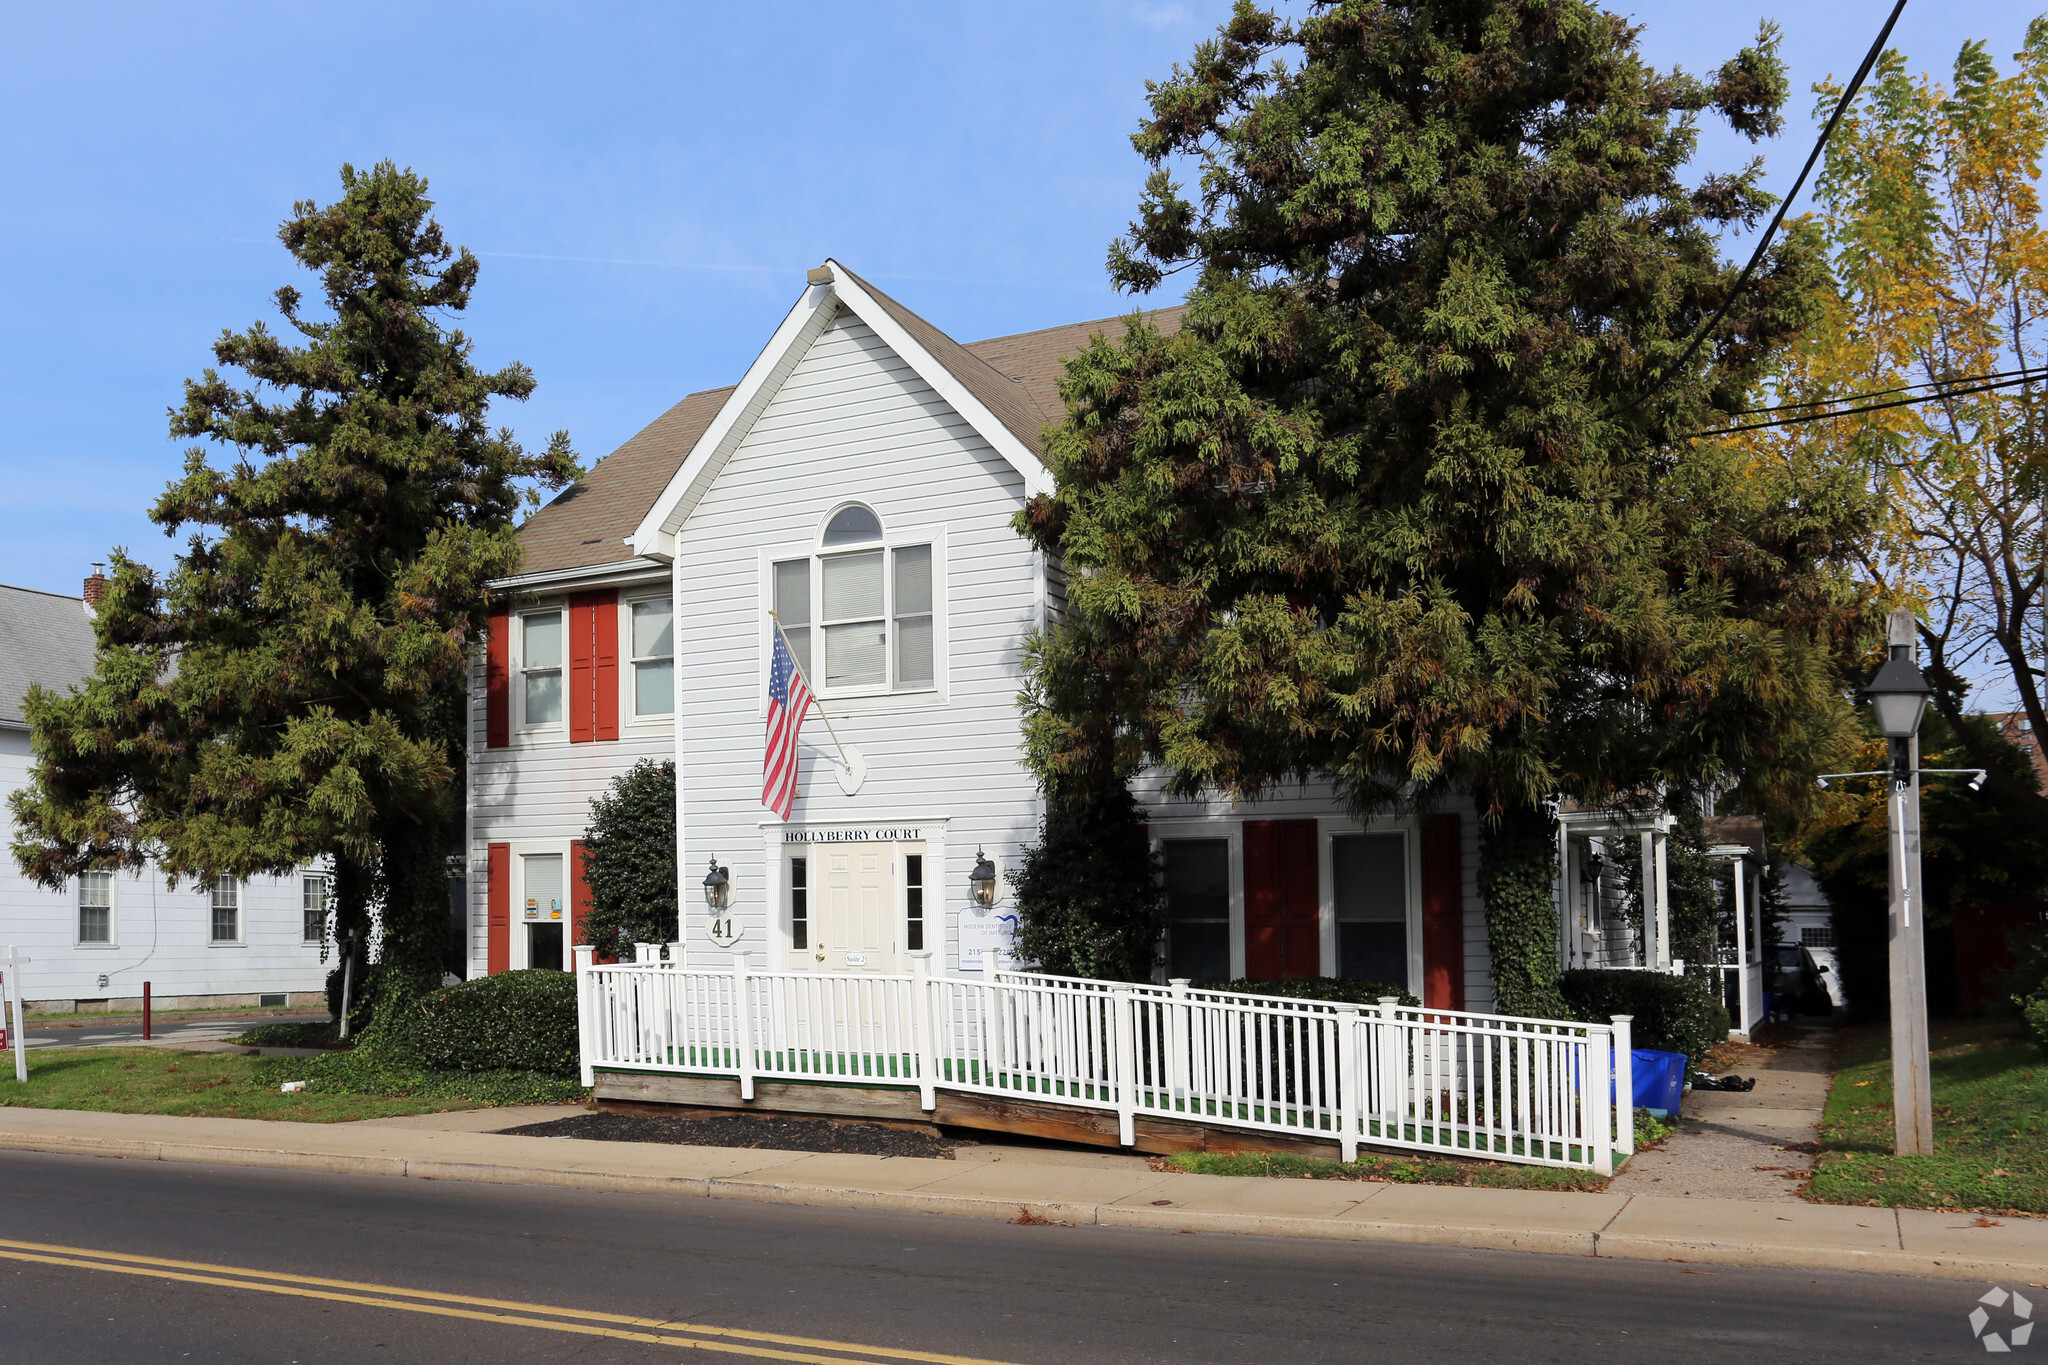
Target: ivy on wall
1517, 879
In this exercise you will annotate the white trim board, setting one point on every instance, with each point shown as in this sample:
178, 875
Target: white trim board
805, 323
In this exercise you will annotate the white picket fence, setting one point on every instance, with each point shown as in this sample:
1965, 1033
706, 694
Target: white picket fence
1539, 1091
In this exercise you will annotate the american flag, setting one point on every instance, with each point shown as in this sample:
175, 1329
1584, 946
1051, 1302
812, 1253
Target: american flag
789, 701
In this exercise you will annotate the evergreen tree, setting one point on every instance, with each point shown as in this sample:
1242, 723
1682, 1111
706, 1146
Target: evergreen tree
1410, 500
1090, 893
294, 687
629, 860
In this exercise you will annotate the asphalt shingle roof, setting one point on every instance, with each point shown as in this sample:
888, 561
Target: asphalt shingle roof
1015, 377
44, 638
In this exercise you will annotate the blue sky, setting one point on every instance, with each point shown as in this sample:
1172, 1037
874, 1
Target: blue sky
644, 183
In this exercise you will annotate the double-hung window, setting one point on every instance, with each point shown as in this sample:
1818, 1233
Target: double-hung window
540, 668
859, 613
95, 907
654, 657
313, 892
227, 910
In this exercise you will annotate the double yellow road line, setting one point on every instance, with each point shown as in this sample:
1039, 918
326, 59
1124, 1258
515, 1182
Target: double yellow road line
694, 1336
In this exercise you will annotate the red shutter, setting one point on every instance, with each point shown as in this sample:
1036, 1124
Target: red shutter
579, 894
1443, 914
604, 664
582, 687
497, 686
498, 910
1282, 918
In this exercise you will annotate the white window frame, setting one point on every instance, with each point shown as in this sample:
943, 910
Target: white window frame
629, 713
213, 908
544, 728
112, 940
326, 879
893, 539
519, 952
1328, 831
1232, 831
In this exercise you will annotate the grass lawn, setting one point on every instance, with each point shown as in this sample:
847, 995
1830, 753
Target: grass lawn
227, 1085
1990, 1124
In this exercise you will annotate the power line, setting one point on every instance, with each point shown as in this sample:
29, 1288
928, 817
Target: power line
1902, 388
1756, 258
1986, 387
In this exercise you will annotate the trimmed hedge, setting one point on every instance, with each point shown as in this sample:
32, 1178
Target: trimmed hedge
1332, 988
1672, 1013
514, 1021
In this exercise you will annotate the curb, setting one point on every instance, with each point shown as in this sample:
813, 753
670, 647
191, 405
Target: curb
1549, 1241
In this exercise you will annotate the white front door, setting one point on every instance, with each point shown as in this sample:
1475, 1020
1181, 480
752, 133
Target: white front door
843, 908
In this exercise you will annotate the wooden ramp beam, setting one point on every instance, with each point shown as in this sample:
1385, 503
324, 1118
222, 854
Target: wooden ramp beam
641, 1090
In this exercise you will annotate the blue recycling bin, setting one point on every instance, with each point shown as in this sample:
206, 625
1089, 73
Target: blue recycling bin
1660, 1081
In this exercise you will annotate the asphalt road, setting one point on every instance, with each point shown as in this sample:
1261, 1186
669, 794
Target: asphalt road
126, 1033
573, 1270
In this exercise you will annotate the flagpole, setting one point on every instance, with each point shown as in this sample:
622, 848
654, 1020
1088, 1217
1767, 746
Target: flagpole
810, 692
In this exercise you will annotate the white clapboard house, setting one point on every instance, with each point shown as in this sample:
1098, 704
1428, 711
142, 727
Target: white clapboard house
859, 481
93, 944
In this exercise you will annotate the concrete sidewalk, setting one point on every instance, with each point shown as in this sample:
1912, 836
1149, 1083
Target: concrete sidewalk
1026, 1184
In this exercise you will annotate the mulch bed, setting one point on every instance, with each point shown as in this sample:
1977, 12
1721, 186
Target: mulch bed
744, 1130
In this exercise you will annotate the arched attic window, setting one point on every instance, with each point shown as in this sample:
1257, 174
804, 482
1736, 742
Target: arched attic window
868, 599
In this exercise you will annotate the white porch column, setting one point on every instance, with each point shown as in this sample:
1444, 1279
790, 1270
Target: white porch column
1653, 906
1661, 843
1741, 950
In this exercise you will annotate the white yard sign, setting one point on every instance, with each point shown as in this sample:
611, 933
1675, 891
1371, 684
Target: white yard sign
10, 1010
988, 940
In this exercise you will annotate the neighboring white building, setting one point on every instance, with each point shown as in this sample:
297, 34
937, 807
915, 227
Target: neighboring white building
92, 945
861, 479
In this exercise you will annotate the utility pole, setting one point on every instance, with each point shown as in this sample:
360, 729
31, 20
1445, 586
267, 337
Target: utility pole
1912, 1094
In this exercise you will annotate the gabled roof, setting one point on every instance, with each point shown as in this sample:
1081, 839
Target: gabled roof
1012, 379
586, 523
44, 638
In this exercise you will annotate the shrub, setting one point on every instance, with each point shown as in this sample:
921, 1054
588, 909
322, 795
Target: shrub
1331, 988
629, 861
1672, 1013
514, 1021
2036, 1016
1089, 893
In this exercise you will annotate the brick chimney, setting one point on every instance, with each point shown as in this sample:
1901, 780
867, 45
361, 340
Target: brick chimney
95, 589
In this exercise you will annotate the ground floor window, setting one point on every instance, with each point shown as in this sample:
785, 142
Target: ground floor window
1197, 908
227, 910
800, 904
1371, 895
313, 898
95, 907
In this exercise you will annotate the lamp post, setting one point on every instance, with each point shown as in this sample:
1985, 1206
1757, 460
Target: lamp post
1898, 699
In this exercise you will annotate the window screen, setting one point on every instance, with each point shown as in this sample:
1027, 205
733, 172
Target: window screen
793, 610
1197, 908
854, 631
1370, 872
914, 616
654, 662
313, 902
95, 907
541, 667
227, 910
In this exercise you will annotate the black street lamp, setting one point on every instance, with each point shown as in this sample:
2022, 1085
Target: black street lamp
717, 887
